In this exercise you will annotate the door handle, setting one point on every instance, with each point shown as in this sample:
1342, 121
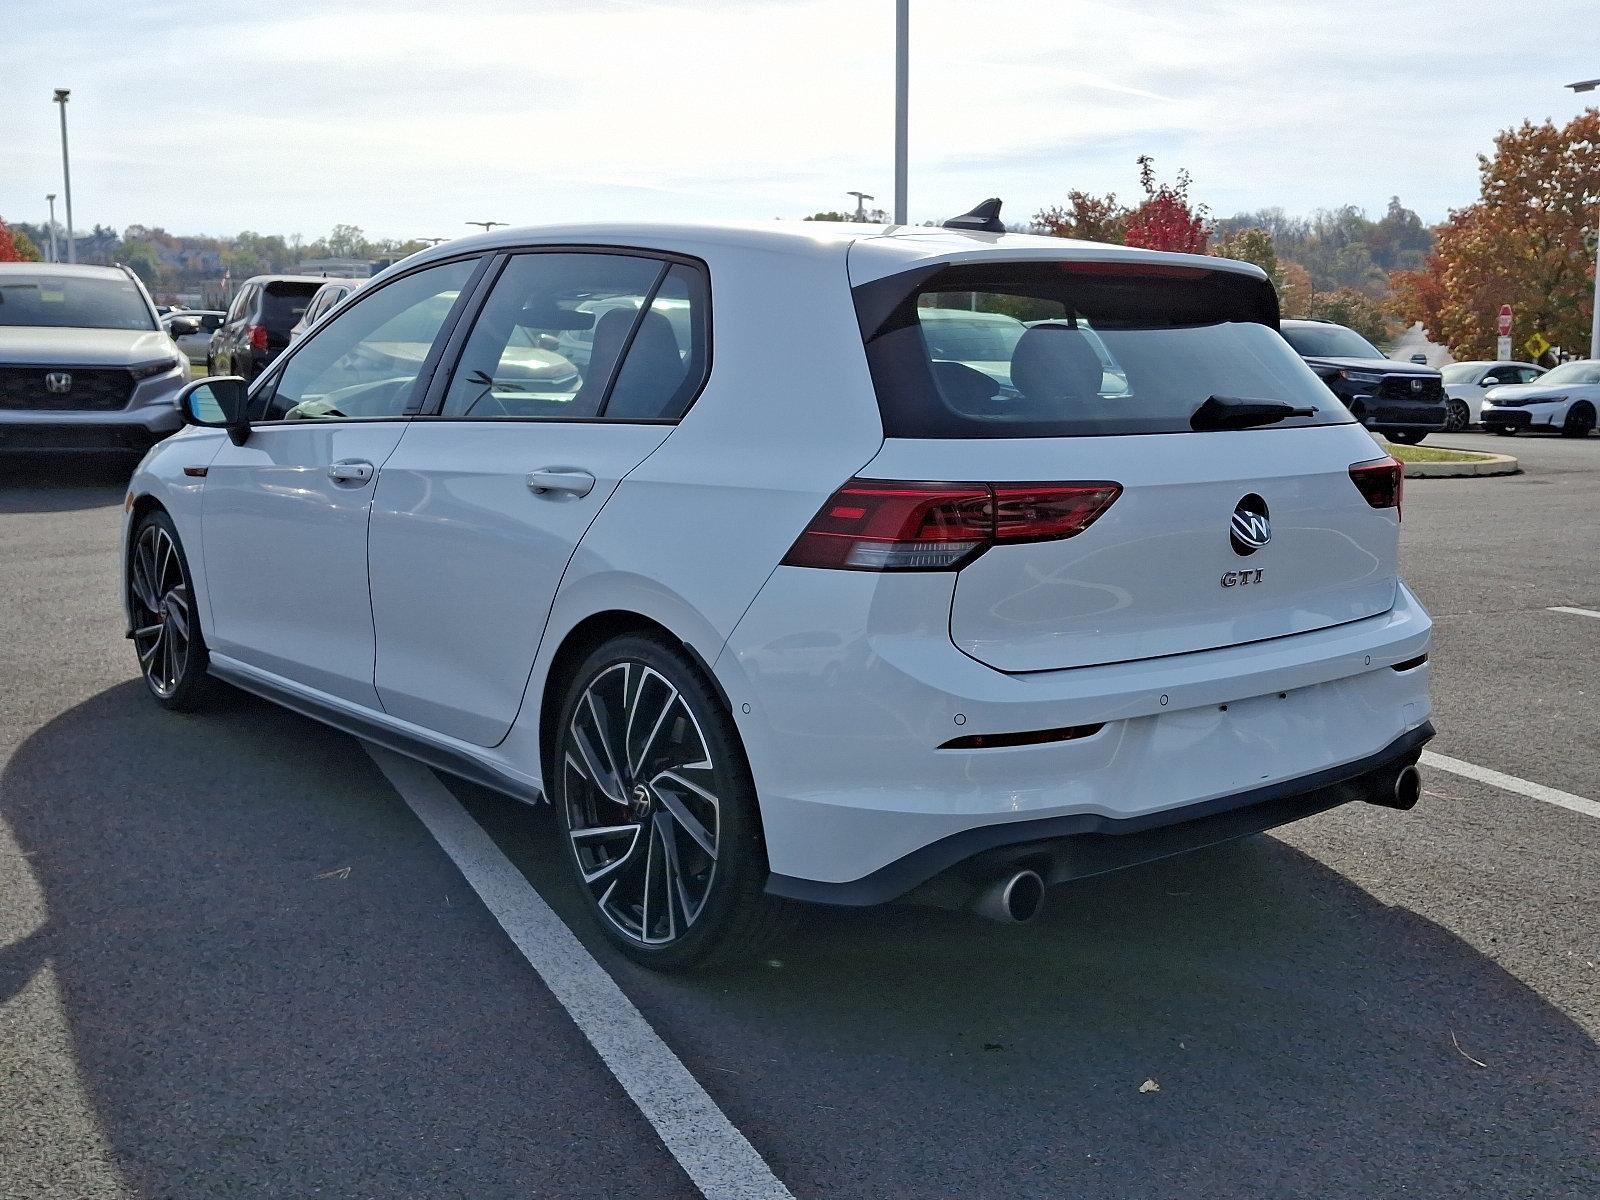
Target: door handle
555, 479
351, 470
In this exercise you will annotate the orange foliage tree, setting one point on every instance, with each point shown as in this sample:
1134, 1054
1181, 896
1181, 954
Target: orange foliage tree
1521, 244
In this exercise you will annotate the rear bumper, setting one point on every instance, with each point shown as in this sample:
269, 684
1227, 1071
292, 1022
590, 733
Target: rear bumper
1079, 845
845, 687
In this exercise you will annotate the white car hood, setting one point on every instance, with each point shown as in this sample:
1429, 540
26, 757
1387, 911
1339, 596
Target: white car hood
35, 346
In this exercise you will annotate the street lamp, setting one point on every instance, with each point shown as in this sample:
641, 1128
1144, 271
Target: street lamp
1589, 85
861, 204
66, 173
902, 103
51, 197
486, 225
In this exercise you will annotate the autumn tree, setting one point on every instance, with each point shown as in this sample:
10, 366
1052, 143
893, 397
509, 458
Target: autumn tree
9, 250
1087, 217
1354, 310
1295, 292
1521, 243
1252, 246
1166, 220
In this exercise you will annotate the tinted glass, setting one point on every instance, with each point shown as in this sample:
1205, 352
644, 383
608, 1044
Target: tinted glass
1581, 372
666, 362
1462, 372
550, 336
1050, 349
365, 362
67, 302
1329, 341
283, 304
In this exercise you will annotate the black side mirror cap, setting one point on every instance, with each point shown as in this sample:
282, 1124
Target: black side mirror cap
217, 402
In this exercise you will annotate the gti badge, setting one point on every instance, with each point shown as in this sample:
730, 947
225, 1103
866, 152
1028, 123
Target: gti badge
1250, 529
58, 383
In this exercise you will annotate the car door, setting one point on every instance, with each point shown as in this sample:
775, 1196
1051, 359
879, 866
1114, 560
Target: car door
285, 514
225, 340
495, 486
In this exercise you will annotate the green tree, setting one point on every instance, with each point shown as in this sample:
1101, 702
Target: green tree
1253, 246
348, 241
1087, 217
143, 260
1356, 310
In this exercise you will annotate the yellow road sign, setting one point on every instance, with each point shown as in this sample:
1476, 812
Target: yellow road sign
1536, 345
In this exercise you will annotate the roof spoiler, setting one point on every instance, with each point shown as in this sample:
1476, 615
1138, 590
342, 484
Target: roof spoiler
982, 218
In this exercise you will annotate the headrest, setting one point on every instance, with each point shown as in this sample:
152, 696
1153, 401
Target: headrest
1056, 362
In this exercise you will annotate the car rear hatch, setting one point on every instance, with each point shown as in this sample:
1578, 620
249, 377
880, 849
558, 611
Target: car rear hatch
1218, 522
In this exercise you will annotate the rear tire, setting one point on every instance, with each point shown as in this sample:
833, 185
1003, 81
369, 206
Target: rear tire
1457, 417
658, 810
1579, 422
167, 641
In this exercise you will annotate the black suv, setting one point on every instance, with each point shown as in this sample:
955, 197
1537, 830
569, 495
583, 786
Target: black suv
257, 326
1402, 401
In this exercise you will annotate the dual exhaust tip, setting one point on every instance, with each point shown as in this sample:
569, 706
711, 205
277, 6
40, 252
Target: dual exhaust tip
1017, 898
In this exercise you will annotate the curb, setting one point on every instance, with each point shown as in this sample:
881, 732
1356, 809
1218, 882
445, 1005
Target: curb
1492, 464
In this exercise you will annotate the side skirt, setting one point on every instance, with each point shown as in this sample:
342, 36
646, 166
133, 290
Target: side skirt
378, 729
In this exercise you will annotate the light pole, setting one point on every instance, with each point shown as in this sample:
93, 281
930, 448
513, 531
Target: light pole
52, 198
902, 102
1589, 85
66, 173
861, 204
486, 225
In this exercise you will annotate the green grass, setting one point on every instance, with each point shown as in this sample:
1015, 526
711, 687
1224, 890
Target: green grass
1427, 454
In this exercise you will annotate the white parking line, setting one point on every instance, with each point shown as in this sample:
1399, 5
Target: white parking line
716, 1156
1577, 612
1510, 783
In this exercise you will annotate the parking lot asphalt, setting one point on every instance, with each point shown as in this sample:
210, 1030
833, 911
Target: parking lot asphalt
233, 962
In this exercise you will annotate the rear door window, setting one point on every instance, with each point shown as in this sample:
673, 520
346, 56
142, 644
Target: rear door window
284, 304
1064, 348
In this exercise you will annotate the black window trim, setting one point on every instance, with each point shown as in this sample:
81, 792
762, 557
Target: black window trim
267, 382
433, 404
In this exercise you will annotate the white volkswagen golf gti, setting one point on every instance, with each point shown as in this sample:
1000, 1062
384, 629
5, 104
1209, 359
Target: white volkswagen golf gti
789, 591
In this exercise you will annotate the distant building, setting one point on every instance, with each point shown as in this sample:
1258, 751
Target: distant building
336, 268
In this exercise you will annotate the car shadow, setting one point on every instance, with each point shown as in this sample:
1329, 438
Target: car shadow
62, 483
1242, 1021
273, 981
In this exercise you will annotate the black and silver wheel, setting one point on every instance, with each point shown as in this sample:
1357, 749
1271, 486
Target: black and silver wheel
658, 809
1457, 416
1580, 420
166, 631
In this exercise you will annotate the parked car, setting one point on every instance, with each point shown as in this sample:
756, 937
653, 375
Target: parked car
1401, 401
325, 297
192, 328
255, 329
1466, 382
1563, 400
830, 617
84, 363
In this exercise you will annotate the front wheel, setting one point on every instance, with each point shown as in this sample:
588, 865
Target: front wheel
1457, 416
1406, 437
658, 809
1579, 422
166, 629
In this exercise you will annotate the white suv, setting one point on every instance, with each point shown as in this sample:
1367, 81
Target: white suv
775, 603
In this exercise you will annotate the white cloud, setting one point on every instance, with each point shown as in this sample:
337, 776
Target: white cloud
410, 122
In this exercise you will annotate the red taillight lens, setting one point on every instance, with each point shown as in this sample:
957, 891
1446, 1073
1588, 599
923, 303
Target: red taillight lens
1381, 481
879, 525
258, 337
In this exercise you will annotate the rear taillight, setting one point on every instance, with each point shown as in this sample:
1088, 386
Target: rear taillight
881, 525
1381, 481
258, 337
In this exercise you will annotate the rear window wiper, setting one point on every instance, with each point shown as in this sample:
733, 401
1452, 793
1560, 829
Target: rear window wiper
1239, 412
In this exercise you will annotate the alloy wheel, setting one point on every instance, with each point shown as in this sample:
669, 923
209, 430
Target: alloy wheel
162, 618
1457, 417
642, 801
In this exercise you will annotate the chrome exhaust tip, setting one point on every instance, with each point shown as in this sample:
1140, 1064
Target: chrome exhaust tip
1407, 789
1012, 899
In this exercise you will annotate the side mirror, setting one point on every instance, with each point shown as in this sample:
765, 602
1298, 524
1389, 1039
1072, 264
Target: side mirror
1421, 359
1489, 381
182, 326
217, 402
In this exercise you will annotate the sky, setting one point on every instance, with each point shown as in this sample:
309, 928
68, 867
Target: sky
410, 119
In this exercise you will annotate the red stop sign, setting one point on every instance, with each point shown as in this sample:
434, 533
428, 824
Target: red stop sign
1505, 320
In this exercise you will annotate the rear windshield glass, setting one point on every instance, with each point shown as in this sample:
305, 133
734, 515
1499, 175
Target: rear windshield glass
72, 302
1329, 341
1057, 349
283, 303
1460, 372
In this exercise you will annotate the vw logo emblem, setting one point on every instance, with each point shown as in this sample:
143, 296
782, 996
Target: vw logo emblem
58, 383
1250, 529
